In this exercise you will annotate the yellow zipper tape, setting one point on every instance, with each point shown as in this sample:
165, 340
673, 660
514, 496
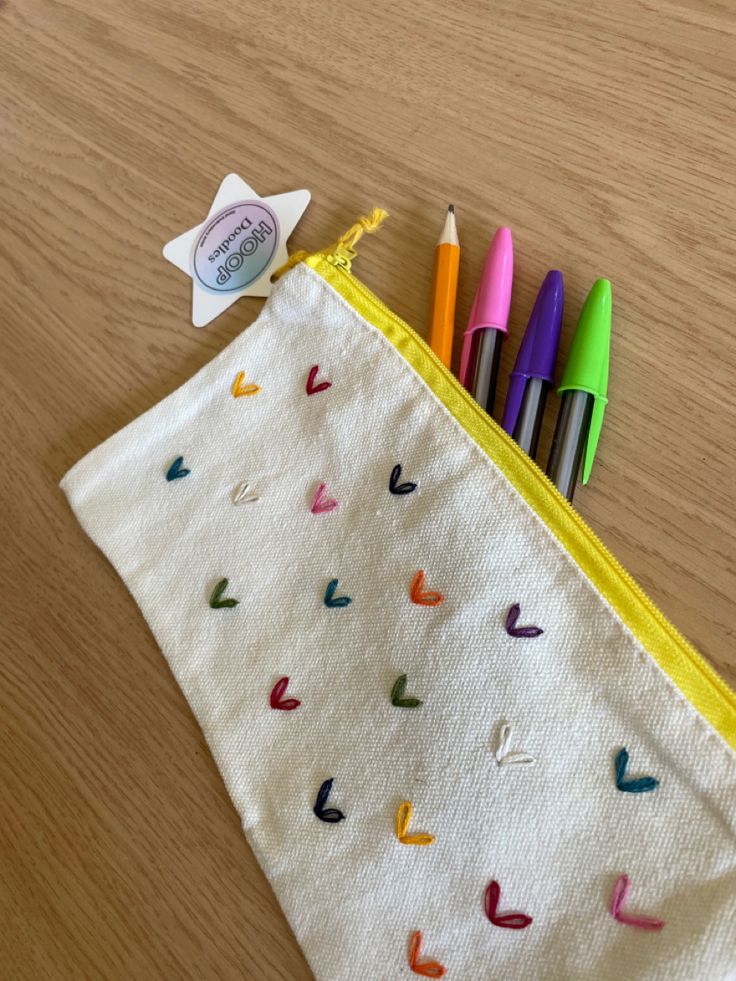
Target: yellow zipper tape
695, 678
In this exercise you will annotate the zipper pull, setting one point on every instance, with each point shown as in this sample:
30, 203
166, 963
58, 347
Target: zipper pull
342, 252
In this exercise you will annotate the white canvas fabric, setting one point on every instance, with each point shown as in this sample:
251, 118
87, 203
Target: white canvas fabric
555, 834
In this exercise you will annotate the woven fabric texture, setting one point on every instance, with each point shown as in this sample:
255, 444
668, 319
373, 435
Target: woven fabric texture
557, 833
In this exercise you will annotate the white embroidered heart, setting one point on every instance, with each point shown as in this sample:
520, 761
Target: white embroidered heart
241, 496
504, 757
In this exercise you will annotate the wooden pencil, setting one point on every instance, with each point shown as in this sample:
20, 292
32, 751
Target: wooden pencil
444, 289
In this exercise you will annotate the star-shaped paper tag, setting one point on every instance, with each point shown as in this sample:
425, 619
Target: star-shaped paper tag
236, 249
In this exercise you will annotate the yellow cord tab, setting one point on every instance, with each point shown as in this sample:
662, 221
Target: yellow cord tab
342, 252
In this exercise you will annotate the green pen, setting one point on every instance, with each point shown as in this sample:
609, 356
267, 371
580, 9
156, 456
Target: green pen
583, 391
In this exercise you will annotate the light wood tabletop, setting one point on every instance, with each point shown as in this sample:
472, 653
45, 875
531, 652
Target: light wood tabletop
602, 133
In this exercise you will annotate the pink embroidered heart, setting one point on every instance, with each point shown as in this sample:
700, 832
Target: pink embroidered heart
277, 700
512, 921
618, 901
321, 503
313, 389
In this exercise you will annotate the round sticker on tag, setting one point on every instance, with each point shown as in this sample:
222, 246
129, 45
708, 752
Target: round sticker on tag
235, 246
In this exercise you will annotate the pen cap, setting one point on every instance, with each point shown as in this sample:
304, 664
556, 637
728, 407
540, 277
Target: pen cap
587, 364
493, 297
538, 349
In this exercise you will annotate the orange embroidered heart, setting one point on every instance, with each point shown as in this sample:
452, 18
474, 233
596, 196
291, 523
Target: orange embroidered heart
422, 596
403, 820
240, 387
428, 969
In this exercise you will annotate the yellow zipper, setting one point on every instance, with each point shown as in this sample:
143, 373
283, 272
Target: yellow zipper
703, 687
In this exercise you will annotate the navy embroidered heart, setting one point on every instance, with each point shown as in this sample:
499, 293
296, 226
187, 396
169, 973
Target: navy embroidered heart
177, 469
330, 815
395, 487
640, 785
512, 630
332, 600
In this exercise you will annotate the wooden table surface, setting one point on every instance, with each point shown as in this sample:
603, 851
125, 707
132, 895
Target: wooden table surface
603, 133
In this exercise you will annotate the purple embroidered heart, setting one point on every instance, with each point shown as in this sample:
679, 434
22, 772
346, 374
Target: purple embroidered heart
512, 630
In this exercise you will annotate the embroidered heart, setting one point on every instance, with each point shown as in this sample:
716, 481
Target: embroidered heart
313, 389
395, 487
331, 599
277, 699
513, 631
330, 815
640, 785
422, 596
403, 820
618, 901
511, 921
241, 495
177, 469
427, 968
215, 599
241, 388
399, 699
502, 754
321, 504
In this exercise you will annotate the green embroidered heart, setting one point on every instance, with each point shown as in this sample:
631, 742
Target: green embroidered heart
216, 602
399, 699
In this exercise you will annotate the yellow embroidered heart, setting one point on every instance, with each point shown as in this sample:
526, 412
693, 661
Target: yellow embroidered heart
241, 388
403, 820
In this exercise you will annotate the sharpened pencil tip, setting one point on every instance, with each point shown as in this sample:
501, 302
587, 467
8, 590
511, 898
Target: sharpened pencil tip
449, 229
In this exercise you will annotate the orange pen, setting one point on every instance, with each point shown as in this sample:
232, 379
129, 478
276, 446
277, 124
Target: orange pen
444, 289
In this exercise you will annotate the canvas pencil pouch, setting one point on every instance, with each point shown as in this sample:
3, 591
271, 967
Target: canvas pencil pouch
461, 739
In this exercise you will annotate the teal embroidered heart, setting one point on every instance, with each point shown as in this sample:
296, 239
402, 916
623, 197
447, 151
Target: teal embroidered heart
640, 785
399, 699
216, 601
332, 600
177, 469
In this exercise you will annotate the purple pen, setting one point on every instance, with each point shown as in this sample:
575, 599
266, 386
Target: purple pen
535, 364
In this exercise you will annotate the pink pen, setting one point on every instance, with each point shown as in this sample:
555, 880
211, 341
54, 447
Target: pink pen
488, 322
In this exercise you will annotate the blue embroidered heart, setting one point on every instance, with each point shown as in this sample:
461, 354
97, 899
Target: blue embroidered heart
330, 815
641, 785
331, 599
177, 469
395, 487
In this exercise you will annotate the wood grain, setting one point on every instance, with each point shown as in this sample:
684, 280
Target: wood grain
602, 133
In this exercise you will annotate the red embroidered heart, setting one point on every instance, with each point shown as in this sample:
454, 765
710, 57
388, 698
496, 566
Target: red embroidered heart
428, 969
278, 701
321, 504
312, 389
512, 921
